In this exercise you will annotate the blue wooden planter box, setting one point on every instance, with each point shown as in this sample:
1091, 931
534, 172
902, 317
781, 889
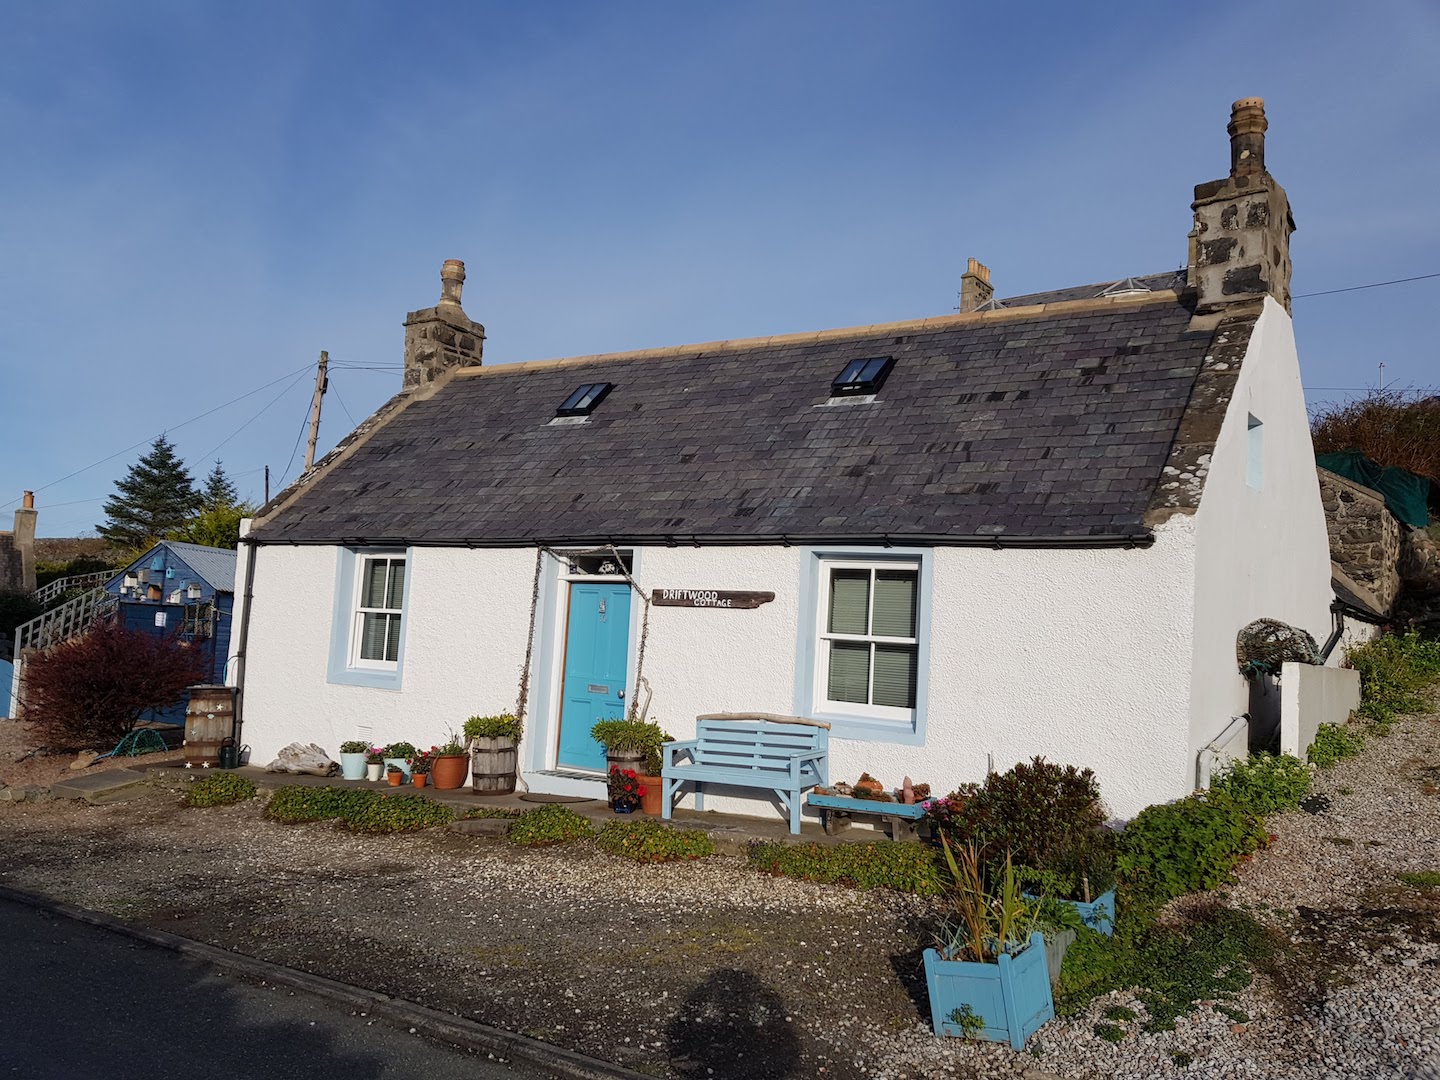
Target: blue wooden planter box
1099, 914
1012, 997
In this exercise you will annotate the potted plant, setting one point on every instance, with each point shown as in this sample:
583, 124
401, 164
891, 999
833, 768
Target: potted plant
420, 767
399, 755
492, 741
352, 759
374, 762
625, 789
987, 975
394, 775
449, 764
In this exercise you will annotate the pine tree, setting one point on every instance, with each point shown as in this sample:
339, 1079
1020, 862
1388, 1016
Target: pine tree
154, 497
218, 493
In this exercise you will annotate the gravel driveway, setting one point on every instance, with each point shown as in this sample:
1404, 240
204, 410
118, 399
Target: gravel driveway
709, 970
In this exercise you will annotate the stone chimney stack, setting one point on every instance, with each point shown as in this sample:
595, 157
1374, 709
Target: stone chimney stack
443, 336
1241, 242
975, 287
17, 550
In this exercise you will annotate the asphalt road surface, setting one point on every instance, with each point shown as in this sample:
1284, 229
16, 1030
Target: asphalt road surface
82, 1003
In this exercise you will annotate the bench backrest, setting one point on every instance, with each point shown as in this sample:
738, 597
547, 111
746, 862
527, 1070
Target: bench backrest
755, 744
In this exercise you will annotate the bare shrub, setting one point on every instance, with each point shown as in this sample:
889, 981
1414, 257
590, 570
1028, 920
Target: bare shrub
1387, 427
90, 691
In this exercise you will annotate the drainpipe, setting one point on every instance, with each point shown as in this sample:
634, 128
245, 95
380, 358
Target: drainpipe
239, 673
1209, 756
1337, 616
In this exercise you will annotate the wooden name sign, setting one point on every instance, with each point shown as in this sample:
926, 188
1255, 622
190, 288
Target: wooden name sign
721, 598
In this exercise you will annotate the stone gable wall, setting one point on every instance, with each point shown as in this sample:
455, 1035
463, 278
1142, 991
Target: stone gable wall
1364, 536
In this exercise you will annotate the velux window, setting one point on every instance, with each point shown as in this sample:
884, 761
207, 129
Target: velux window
868, 648
862, 376
584, 400
379, 607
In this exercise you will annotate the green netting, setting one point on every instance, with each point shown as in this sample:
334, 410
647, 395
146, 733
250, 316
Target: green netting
143, 741
1405, 493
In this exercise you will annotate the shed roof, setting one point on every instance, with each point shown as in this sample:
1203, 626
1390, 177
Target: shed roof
215, 565
1041, 424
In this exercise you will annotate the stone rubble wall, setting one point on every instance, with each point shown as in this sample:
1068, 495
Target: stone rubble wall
1364, 536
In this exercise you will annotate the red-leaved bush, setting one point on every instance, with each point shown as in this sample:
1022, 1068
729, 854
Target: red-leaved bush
90, 691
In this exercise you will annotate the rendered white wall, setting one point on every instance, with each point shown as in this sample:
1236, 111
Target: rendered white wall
1259, 554
1082, 656
1311, 696
464, 646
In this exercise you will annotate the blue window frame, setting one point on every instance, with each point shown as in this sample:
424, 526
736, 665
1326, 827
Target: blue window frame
367, 630
864, 650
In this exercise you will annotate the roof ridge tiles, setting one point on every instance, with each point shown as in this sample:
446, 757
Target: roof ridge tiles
845, 333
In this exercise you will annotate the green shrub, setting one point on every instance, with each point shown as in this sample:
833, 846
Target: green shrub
354, 746
1169, 970
647, 840
1422, 879
501, 726
1048, 817
490, 812
396, 813
220, 789
635, 737
1396, 671
882, 864
1181, 847
1264, 784
552, 824
1334, 742
296, 804
401, 750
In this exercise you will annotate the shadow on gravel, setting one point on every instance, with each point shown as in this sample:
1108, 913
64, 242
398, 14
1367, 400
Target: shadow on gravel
909, 968
733, 1027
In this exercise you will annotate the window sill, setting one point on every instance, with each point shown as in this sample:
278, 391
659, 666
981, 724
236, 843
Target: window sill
861, 729
376, 679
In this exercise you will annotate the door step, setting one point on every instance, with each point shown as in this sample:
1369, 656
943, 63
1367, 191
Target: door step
566, 782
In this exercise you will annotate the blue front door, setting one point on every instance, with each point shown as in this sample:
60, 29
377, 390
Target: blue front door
597, 652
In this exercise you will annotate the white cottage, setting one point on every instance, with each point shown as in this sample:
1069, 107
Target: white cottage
1033, 527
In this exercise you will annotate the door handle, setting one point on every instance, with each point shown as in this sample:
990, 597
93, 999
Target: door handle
622, 695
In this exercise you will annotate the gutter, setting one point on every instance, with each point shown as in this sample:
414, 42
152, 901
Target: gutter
1143, 539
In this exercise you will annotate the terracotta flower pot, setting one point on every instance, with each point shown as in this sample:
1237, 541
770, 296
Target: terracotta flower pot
449, 772
653, 801
394, 778
418, 779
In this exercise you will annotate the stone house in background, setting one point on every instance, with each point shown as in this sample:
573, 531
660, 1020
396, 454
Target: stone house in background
17, 550
1032, 527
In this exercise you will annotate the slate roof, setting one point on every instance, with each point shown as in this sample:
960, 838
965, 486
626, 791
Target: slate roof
1041, 428
1169, 279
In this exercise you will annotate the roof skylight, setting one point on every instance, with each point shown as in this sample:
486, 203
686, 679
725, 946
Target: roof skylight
862, 376
583, 401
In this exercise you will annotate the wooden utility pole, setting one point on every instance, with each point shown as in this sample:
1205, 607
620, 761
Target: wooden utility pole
320, 385
267, 484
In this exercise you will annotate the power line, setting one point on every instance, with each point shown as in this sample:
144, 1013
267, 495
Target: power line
280, 485
290, 386
152, 438
341, 400
1372, 285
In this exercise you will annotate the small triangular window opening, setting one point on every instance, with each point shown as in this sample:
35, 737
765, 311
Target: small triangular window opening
862, 376
583, 401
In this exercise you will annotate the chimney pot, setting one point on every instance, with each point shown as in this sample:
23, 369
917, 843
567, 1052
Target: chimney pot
1247, 137
29, 500
452, 281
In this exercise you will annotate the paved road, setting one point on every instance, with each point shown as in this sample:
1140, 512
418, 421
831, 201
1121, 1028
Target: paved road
81, 1003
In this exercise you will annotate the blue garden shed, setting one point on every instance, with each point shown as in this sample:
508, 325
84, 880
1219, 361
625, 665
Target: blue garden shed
184, 589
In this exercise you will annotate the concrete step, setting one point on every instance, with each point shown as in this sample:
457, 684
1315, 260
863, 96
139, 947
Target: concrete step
97, 787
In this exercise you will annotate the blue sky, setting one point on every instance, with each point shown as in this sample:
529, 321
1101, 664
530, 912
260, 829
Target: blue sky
197, 198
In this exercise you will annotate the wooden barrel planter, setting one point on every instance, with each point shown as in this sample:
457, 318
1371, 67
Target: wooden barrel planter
492, 766
625, 759
209, 720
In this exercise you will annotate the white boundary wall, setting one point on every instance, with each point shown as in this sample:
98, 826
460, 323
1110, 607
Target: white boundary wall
1311, 696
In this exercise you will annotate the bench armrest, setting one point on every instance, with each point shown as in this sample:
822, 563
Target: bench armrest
670, 749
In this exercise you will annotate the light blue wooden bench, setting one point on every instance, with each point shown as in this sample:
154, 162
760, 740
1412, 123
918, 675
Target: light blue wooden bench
785, 754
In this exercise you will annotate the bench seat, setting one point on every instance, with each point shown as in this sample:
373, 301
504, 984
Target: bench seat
786, 755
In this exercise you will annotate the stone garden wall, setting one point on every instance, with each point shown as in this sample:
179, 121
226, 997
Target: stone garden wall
1364, 536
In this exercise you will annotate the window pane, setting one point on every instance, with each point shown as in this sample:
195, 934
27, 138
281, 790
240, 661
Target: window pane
849, 603
396, 600
392, 639
895, 603
895, 675
849, 671
373, 632
372, 586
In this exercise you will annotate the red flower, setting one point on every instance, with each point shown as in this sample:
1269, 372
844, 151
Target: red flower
640, 790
